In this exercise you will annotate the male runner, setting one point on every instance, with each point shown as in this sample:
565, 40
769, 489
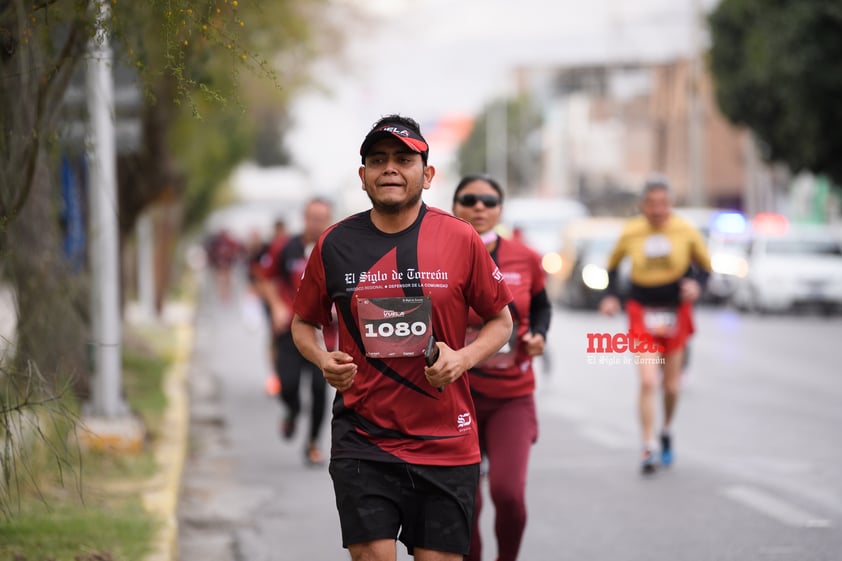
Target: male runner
282, 274
405, 453
670, 265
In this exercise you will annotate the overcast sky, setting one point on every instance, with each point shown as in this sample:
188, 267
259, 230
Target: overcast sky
431, 58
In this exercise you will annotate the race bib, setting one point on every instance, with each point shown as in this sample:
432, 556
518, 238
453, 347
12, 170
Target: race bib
657, 249
657, 246
395, 327
660, 322
502, 359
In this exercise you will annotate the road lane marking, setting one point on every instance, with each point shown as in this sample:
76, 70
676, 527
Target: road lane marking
740, 469
774, 507
564, 408
606, 437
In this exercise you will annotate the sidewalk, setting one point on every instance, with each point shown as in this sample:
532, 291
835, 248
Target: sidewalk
246, 494
161, 498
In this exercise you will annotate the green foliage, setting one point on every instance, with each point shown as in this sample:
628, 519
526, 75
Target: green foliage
69, 503
145, 361
523, 121
210, 70
203, 44
778, 70
35, 418
237, 91
69, 534
242, 58
207, 149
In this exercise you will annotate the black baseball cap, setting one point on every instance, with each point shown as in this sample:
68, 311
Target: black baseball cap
409, 136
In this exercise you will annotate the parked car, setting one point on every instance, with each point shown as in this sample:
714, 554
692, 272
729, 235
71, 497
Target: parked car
586, 246
701, 217
729, 264
728, 242
539, 223
588, 280
791, 268
726, 235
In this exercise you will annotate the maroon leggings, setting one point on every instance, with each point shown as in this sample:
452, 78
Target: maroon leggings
507, 430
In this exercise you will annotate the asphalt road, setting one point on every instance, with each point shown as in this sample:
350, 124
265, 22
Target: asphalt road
758, 440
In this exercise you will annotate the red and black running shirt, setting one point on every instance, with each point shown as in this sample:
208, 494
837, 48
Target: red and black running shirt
391, 413
522, 271
284, 264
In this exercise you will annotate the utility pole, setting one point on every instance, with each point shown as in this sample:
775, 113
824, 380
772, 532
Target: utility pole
695, 124
106, 399
146, 265
106, 417
496, 141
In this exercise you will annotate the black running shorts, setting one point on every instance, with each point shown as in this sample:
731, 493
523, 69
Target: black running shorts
431, 507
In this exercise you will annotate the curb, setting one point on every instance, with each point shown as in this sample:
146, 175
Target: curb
171, 450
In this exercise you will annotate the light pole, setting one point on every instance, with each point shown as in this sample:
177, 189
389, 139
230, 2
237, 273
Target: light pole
496, 141
104, 230
695, 117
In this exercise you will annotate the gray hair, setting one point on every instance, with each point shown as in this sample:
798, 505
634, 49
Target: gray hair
656, 181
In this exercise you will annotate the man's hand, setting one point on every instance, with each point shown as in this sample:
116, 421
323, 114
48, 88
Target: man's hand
534, 343
339, 370
689, 290
609, 305
447, 369
280, 318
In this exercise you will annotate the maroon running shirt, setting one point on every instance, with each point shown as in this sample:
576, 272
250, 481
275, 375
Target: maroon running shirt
390, 292
509, 373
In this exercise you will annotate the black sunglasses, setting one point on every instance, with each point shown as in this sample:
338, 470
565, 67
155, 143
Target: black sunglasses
489, 201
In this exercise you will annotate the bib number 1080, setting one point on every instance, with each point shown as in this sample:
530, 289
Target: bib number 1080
397, 329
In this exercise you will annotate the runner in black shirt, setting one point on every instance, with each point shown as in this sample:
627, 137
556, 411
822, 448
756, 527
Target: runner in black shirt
282, 275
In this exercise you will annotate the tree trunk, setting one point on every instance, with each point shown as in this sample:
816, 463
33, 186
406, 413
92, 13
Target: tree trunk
52, 301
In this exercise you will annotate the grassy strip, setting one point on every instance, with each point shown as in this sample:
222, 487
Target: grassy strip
77, 532
86, 505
